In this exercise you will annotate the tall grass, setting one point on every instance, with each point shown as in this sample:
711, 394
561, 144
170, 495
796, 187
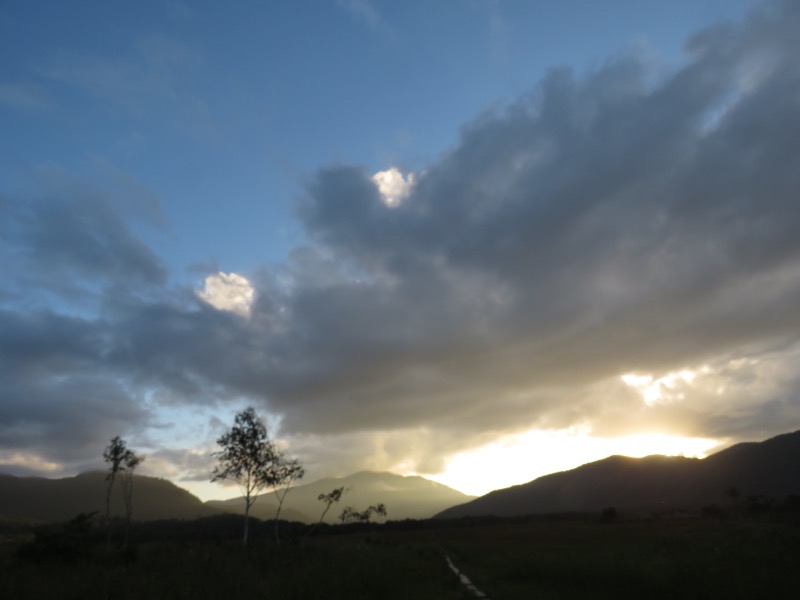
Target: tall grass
330, 569
507, 559
678, 559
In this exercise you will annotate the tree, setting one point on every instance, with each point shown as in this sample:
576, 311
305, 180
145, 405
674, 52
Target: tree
130, 462
329, 499
114, 455
351, 515
286, 473
121, 462
252, 460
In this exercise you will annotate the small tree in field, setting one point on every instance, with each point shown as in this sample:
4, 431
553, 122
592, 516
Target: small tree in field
286, 473
351, 515
122, 462
114, 454
329, 499
129, 464
252, 460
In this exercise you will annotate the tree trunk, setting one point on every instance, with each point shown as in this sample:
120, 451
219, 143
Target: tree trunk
127, 490
246, 518
109, 487
281, 498
318, 523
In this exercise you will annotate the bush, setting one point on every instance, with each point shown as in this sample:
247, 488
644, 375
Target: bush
608, 514
70, 542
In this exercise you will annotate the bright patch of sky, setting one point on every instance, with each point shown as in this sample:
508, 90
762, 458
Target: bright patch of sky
29, 461
663, 389
522, 458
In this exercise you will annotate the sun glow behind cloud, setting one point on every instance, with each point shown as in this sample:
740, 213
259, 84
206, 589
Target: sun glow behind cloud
663, 389
27, 461
522, 458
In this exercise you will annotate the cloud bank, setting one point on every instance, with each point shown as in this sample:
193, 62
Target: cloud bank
630, 221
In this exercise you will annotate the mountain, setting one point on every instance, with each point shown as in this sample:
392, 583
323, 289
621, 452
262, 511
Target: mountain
264, 508
47, 500
770, 468
409, 497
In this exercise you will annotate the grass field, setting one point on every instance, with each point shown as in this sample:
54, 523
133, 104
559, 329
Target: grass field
638, 559
507, 559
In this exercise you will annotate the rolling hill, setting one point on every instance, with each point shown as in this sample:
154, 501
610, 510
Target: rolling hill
48, 500
405, 498
770, 468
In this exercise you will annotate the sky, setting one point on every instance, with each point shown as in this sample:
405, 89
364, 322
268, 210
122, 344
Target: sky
476, 240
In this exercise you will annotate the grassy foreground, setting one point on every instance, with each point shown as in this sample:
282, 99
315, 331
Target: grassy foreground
198, 570
694, 558
507, 559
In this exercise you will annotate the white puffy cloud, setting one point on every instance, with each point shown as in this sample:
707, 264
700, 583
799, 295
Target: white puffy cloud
393, 186
228, 291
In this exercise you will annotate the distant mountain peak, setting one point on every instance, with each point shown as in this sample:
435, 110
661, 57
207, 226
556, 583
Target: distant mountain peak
405, 496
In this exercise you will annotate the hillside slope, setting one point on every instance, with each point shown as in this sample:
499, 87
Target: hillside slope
46, 500
770, 468
405, 497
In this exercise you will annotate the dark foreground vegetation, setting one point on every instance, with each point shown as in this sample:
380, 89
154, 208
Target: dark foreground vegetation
726, 555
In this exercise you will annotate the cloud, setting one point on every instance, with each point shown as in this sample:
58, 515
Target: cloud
157, 70
393, 186
185, 465
599, 226
60, 400
363, 11
157, 76
66, 236
71, 260
230, 292
22, 96
593, 228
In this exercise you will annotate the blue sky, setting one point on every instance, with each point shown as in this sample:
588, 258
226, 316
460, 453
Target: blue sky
191, 224
224, 110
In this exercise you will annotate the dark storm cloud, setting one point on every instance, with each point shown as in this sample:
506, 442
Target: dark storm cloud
61, 417
58, 399
595, 227
34, 345
617, 222
67, 232
67, 250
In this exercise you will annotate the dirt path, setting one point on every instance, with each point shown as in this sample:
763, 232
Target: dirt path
465, 580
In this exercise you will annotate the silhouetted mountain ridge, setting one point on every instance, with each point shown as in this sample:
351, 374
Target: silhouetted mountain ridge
406, 497
47, 500
770, 468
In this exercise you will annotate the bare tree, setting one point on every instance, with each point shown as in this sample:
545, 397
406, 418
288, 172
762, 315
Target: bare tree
286, 473
114, 455
122, 462
252, 460
351, 515
130, 462
329, 499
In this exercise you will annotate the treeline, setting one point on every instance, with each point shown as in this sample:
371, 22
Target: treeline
247, 457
